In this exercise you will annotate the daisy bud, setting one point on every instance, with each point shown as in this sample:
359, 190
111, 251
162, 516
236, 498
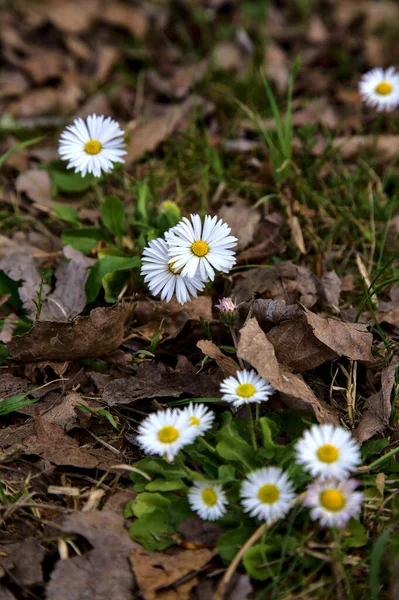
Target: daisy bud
228, 311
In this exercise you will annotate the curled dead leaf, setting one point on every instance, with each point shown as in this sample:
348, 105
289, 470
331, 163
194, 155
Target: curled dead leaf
226, 363
255, 348
98, 334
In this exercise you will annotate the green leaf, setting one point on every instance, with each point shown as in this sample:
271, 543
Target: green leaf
375, 562
169, 215
3, 354
142, 194
153, 531
113, 216
226, 474
255, 559
355, 535
17, 148
13, 403
104, 266
69, 214
83, 239
103, 412
230, 542
267, 426
71, 182
157, 466
237, 450
10, 287
113, 284
163, 485
148, 502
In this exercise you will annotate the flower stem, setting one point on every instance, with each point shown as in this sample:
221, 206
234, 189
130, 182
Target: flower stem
207, 445
235, 342
251, 426
374, 464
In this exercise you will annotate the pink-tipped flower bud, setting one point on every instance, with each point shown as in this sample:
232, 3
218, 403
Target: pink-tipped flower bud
228, 311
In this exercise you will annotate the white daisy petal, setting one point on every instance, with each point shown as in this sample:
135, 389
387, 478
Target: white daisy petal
333, 502
326, 451
201, 248
246, 387
267, 494
208, 500
199, 416
92, 147
380, 89
165, 433
164, 278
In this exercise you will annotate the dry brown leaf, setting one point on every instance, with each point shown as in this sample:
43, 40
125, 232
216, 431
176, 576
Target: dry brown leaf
296, 346
47, 101
332, 287
199, 532
86, 337
155, 571
181, 81
17, 262
73, 16
242, 218
104, 570
69, 297
23, 561
255, 348
377, 408
267, 241
226, 56
154, 381
226, 363
385, 146
50, 442
276, 65
37, 186
352, 340
12, 83
127, 17
273, 312
172, 315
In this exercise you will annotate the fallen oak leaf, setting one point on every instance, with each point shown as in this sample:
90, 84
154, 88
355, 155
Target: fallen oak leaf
352, 340
155, 571
255, 348
96, 335
23, 560
226, 363
377, 408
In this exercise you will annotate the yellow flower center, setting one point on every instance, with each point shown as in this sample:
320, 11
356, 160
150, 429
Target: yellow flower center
209, 497
193, 421
168, 434
328, 453
245, 390
93, 147
172, 270
384, 88
333, 500
268, 493
200, 248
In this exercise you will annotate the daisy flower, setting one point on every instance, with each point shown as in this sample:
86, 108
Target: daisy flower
199, 417
162, 277
199, 249
334, 503
92, 146
267, 494
208, 500
327, 451
246, 387
165, 433
228, 311
380, 89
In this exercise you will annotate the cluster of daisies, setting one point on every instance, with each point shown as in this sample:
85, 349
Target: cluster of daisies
328, 453
185, 259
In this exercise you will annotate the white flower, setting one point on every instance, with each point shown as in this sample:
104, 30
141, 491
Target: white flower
162, 277
199, 249
208, 500
328, 451
92, 146
165, 433
267, 494
380, 88
247, 387
199, 417
334, 503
